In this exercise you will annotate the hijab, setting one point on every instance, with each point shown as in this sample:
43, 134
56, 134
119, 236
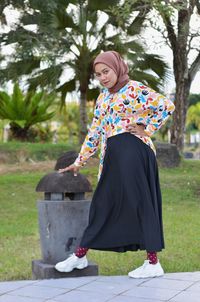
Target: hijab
113, 60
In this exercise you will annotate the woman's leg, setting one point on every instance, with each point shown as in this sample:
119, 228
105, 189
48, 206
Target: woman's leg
76, 260
152, 257
150, 268
81, 252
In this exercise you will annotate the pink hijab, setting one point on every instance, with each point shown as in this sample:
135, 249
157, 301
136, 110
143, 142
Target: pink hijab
113, 60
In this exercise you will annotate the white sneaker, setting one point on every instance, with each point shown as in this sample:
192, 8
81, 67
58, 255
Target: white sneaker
70, 263
147, 270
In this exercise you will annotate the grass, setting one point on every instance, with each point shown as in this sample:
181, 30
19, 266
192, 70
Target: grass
12, 152
19, 238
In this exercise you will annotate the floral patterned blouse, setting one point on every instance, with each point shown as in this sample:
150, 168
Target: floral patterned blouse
133, 103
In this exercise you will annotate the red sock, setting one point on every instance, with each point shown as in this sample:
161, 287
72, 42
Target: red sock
152, 257
81, 251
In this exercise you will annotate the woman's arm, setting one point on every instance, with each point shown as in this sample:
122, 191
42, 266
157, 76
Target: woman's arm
159, 108
91, 142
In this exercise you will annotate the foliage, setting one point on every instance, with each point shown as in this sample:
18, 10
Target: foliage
69, 119
53, 37
70, 36
193, 117
162, 134
122, 12
174, 22
194, 99
25, 111
183, 39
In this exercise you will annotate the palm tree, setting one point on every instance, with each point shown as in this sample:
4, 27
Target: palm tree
66, 38
24, 111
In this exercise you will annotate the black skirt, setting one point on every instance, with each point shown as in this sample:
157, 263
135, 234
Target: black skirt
126, 208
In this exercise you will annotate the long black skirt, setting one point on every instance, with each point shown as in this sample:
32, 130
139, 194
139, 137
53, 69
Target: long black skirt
126, 208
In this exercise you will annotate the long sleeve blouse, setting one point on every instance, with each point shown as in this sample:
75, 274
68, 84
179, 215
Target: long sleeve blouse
133, 103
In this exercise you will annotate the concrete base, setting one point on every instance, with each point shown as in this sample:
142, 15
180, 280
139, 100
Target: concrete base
41, 270
61, 225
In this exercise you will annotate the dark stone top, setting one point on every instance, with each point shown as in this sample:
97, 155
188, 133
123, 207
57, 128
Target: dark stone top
167, 155
63, 183
66, 159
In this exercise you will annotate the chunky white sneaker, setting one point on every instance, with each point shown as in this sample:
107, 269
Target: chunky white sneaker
147, 270
70, 263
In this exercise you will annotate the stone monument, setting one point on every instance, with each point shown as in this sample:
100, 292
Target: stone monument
63, 216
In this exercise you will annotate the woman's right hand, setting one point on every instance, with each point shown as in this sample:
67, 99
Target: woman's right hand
72, 168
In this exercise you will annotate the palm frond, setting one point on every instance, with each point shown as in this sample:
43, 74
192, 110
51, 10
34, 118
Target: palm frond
46, 77
101, 5
27, 110
65, 88
62, 34
146, 78
154, 63
134, 46
22, 67
92, 94
61, 20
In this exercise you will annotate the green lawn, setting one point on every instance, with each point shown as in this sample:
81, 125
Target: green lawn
19, 239
19, 152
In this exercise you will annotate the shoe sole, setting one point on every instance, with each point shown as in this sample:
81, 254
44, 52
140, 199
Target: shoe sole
144, 277
81, 266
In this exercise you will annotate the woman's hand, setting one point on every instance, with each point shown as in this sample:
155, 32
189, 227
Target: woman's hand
72, 168
136, 129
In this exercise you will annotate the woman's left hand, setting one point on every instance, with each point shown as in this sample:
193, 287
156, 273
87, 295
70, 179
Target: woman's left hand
136, 129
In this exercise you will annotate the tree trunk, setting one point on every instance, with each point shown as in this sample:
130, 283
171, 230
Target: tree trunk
83, 116
179, 116
183, 83
180, 37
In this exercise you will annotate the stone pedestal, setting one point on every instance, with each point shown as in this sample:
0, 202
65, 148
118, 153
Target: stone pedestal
61, 226
41, 270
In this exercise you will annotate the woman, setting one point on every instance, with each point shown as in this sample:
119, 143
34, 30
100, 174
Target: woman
125, 213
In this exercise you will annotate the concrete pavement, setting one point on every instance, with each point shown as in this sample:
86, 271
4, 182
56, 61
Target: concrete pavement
173, 287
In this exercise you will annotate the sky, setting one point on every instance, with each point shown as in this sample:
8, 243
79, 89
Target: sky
167, 55
155, 45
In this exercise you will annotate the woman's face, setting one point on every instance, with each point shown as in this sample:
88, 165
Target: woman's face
106, 76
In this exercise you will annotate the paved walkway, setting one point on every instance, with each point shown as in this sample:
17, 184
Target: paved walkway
175, 287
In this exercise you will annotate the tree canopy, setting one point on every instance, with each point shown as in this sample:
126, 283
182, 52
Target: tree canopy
56, 41
175, 20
